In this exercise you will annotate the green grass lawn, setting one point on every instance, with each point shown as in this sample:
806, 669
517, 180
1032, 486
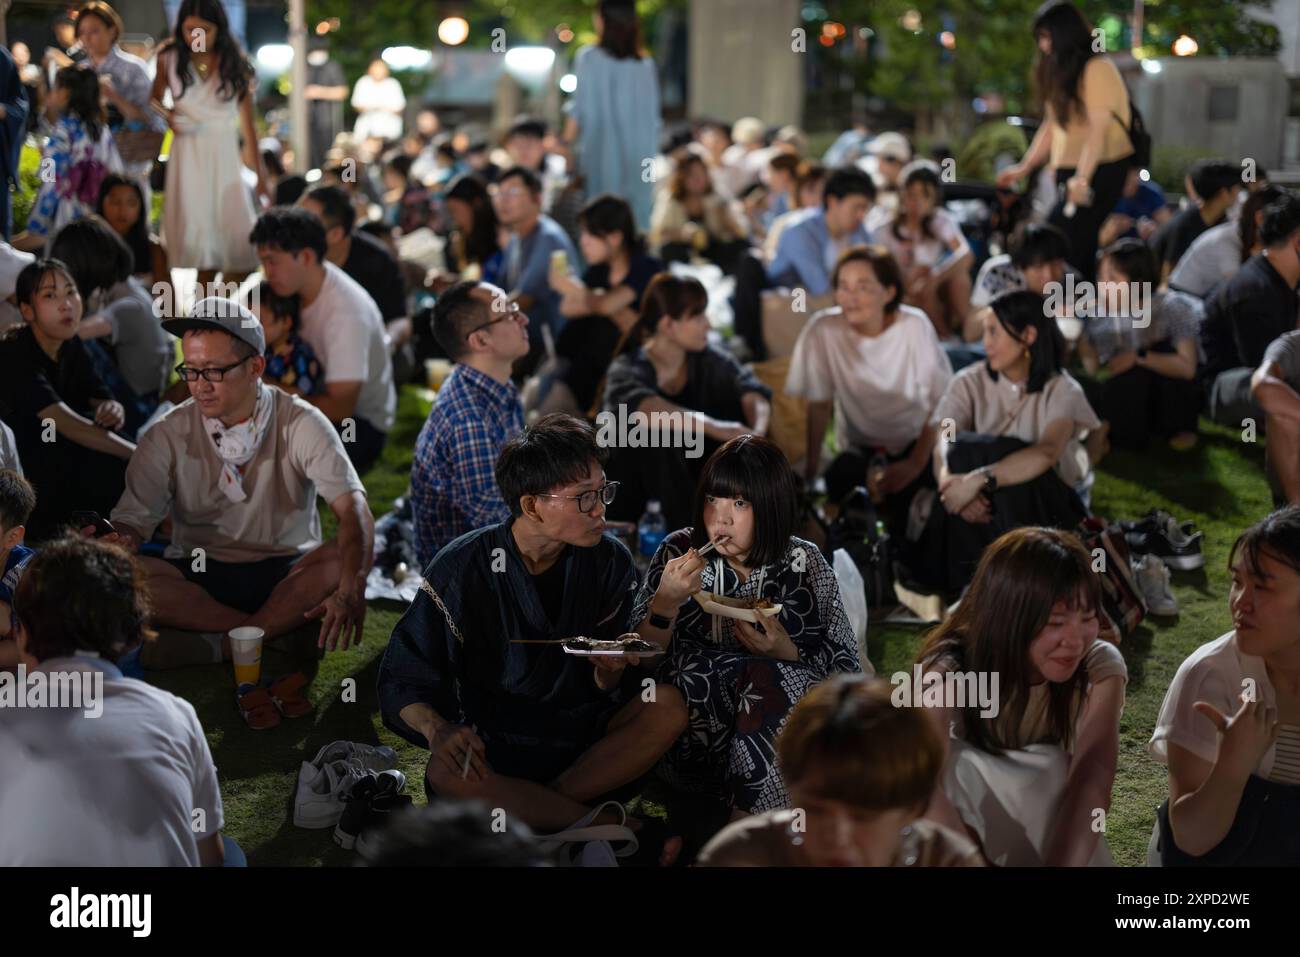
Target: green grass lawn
1220, 485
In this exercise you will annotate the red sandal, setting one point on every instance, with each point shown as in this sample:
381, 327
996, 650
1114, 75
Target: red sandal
287, 697
257, 708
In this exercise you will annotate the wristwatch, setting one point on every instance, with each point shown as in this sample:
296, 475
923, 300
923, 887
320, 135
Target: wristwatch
990, 482
660, 621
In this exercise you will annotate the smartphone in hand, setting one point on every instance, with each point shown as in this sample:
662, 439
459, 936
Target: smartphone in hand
102, 525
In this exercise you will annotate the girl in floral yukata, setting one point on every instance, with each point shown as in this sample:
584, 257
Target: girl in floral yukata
740, 679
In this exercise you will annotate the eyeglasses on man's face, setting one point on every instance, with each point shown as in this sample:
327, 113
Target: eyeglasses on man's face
587, 500
190, 374
510, 311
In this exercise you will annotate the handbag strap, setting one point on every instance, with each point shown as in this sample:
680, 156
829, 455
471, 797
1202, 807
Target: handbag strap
610, 833
437, 600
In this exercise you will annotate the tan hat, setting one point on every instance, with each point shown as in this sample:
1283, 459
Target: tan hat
891, 145
748, 131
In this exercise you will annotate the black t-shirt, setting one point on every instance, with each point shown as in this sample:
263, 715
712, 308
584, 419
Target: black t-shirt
1244, 314
550, 588
1174, 238
376, 271
640, 270
31, 381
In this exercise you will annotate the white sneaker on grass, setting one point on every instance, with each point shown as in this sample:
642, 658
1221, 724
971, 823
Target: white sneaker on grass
371, 757
319, 801
1153, 578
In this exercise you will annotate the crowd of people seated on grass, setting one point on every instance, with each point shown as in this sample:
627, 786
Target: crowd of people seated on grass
791, 333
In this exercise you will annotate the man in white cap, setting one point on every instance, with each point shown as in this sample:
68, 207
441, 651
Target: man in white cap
238, 466
887, 154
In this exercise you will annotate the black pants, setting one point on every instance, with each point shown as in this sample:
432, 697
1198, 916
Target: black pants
68, 477
1082, 228
244, 586
585, 349
364, 446
1263, 833
849, 470
747, 303
663, 474
1140, 404
1046, 500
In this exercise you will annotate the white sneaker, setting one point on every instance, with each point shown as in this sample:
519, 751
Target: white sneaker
371, 757
319, 801
1153, 578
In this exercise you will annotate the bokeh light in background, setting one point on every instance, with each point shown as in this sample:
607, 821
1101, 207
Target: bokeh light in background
453, 31
1185, 46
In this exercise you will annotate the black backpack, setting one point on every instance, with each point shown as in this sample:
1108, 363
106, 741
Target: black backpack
1137, 133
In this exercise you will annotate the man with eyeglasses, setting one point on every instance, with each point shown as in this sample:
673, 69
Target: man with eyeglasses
238, 468
474, 670
534, 239
453, 488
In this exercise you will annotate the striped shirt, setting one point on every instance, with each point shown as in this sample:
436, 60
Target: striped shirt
453, 475
1286, 760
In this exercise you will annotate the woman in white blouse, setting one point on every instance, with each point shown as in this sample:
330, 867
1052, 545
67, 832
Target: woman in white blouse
1229, 728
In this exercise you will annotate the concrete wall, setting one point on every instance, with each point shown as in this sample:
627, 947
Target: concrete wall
741, 63
1176, 106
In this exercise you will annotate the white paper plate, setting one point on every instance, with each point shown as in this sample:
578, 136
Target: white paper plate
706, 601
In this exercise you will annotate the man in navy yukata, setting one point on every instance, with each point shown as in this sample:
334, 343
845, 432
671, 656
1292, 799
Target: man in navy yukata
525, 726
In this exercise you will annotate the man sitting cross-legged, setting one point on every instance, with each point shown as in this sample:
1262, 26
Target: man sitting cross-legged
238, 467
525, 726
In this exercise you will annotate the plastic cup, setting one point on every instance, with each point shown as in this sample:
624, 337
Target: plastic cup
436, 371
246, 650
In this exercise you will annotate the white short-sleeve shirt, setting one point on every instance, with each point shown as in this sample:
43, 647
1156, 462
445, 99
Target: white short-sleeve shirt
346, 330
123, 789
884, 388
1217, 673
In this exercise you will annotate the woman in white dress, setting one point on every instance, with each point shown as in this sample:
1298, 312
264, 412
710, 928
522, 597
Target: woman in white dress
379, 102
207, 210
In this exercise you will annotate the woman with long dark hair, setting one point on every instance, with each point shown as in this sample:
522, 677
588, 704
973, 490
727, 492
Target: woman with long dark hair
1009, 451
930, 249
614, 122
740, 678
1085, 132
1217, 254
78, 155
476, 233
665, 365
690, 216
605, 303
208, 212
123, 206
1034, 719
1229, 728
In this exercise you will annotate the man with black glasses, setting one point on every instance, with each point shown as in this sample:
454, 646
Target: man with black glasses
238, 467
453, 490
474, 671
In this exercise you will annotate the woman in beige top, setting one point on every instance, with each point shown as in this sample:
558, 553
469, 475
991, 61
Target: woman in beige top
690, 216
1085, 133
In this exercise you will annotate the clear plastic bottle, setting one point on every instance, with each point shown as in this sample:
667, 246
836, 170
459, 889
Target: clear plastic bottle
650, 530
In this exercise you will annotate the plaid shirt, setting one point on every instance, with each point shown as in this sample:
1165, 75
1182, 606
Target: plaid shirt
453, 478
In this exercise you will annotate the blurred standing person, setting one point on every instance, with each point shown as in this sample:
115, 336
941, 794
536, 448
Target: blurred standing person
123, 82
326, 90
379, 102
1085, 133
208, 212
13, 128
615, 115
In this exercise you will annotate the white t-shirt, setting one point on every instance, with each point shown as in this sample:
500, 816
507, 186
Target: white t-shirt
346, 330
1216, 673
117, 790
9, 450
1213, 256
912, 251
884, 388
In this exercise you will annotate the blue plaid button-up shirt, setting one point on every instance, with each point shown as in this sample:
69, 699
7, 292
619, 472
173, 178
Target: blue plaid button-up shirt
453, 479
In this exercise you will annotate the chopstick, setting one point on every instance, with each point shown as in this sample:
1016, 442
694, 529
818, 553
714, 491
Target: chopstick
713, 544
469, 752
539, 641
